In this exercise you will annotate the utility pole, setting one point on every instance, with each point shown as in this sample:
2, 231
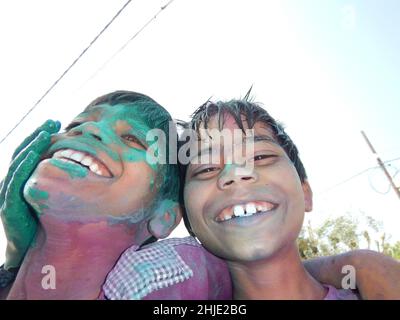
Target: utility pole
382, 165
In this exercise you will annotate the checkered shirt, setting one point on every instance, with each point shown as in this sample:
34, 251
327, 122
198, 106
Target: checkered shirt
141, 272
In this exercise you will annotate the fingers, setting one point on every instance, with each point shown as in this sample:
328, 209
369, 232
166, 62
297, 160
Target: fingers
19, 223
22, 174
39, 145
38, 141
20, 228
21, 166
49, 126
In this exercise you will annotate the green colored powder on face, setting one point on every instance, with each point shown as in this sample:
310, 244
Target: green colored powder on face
228, 167
107, 126
167, 205
129, 115
136, 155
133, 119
74, 170
152, 183
37, 194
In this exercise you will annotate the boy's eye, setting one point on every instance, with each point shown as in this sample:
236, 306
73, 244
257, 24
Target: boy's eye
263, 157
205, 171
133, 141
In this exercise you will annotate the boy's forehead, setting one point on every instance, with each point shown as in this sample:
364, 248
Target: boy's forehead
107, 110
229, 123
120, 112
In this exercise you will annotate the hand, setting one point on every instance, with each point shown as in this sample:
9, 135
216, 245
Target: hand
377, 275
18, 219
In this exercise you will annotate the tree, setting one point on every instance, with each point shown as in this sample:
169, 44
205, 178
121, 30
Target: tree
343, 234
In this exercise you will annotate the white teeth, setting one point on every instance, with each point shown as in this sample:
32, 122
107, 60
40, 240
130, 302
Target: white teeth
77, 156
245, 210
66, 160
87, 161
57, 154
66, 153
94, 167
251, 208
238, 211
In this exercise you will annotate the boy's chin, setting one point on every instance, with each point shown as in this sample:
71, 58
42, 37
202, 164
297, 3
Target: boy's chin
249, 253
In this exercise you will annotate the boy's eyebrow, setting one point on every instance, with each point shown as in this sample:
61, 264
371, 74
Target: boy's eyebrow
265, 137
73, 123
82, 117
256, 138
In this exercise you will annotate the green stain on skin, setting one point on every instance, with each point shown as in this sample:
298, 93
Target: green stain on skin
166, 205
136, 155
133, 119
152, 183
128, 219
37, 194
74, 170
84, 144
228, 167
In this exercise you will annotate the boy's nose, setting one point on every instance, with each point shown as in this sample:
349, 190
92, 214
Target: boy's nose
236, 176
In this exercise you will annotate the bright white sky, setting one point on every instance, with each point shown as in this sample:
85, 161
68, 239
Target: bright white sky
327, 69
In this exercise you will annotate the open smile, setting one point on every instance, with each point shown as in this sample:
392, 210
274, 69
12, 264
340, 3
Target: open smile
83, 159
245, 210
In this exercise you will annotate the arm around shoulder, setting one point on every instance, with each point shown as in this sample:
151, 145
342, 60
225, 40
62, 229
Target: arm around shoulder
377, 275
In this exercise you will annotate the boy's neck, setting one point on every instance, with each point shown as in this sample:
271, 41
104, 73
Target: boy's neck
281, 276
82, 254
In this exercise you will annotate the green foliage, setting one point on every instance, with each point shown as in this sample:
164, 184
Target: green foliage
342, 234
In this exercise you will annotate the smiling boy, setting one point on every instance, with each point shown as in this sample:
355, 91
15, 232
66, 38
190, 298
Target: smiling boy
94, 194
250, 213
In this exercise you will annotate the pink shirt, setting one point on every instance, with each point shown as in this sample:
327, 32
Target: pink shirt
177, 269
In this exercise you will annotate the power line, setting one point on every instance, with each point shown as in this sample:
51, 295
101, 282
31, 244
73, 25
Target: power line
382, 165
67, 70
348, 179
127, 42
356, 175
395, 159
375, 189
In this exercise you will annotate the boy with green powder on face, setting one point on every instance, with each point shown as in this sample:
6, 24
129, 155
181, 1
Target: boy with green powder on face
72, 202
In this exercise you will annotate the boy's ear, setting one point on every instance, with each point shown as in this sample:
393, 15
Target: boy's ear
165, 220
308, 196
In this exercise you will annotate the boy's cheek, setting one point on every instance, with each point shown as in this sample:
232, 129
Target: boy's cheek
193, 201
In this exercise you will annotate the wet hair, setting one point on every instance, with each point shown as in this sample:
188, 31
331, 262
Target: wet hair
241, 110
155, 117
